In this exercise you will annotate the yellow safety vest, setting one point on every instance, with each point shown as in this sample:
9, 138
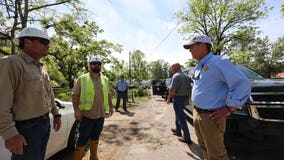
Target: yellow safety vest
88, 92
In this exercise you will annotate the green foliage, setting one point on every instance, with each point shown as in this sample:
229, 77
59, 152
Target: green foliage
119, 67
190, 63
112, 80
139, 92
62, 93
159, 69
282, 9
19, 14
74, 43
261, 55
57, 78
139, 67
220, 19
231, 26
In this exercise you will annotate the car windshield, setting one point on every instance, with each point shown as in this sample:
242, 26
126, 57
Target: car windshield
249, 72
157, 83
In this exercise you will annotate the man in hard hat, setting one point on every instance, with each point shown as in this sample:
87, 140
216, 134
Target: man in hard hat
91, 98
26, 97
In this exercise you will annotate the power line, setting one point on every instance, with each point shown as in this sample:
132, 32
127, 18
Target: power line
171, 31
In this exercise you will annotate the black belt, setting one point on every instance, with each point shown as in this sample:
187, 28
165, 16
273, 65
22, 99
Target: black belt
199, 110
45, 116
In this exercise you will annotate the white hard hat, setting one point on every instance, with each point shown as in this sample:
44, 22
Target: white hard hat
95, 58
31, 32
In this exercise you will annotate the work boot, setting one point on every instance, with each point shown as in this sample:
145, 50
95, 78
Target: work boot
176, 133
79, 152
188, 141
94, 150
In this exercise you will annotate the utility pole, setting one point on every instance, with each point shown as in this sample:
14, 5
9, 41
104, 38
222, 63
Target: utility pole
130, 77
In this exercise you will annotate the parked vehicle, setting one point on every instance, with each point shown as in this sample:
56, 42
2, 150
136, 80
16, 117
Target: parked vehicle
263, 114
158, 87
146, 84
168, 81
65, 138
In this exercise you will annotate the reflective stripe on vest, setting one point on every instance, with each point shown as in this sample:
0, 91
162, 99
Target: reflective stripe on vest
88, 92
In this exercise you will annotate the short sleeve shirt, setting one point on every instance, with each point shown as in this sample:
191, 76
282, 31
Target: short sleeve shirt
180, 84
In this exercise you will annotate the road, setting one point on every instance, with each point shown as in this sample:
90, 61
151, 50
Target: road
144, 134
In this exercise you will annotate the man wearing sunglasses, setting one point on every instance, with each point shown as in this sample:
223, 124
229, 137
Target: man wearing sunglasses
91, 98
218, 89
26, 97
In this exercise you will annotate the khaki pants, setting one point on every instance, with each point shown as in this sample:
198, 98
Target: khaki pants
210, 136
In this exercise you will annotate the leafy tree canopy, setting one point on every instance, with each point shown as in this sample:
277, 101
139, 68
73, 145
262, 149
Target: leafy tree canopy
220, 19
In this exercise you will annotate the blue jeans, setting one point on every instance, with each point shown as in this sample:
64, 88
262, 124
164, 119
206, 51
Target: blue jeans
90, 129
36, 133
179, 105
122, 95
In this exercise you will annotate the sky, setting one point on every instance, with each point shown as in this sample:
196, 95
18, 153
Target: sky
150, 26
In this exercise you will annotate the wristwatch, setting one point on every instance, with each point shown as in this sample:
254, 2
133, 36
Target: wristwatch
57, 116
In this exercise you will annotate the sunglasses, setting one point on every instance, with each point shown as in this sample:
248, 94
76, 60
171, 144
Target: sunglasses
194, 76
96, 63
43, 41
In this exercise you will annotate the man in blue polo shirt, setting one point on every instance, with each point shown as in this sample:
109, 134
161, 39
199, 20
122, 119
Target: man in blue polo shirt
219, 89
121, 88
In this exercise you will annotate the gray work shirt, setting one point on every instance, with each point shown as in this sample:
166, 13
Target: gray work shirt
180, 84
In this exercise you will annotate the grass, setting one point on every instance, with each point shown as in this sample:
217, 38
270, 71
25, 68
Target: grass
62, 93
65, 94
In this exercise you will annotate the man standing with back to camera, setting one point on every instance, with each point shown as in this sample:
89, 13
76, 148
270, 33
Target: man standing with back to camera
219, 89
26, 98
179, 91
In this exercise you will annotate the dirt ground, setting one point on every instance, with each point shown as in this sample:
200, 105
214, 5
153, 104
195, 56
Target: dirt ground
144, 134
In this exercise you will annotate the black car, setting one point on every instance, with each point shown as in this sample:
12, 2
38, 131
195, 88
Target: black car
187, 72
263, 114
158, 87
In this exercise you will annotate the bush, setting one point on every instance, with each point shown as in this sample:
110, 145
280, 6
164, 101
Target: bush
139, 92
62, 93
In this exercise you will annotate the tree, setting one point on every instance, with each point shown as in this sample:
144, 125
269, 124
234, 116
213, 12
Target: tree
74, 42
220, 19
190, 63
17, 14
278, 55
282, 9
159, 69
265, 57
243, 45
119, 67
139, 70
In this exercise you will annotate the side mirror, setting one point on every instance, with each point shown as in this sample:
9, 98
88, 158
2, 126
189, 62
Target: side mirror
59, 105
